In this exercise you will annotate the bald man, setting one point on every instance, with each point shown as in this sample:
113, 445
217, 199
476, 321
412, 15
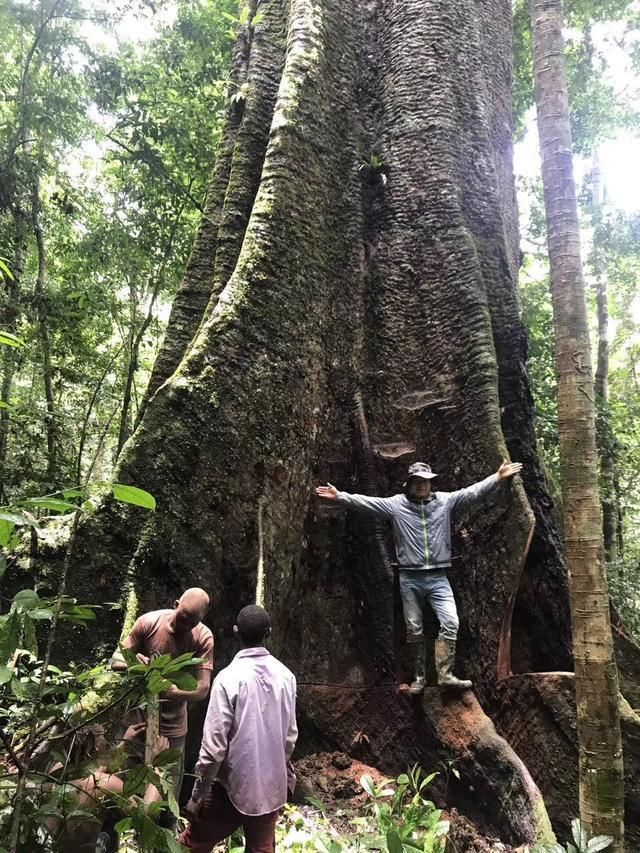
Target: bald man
172, 632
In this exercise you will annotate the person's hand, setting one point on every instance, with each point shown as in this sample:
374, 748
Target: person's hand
135, 731
508, 469
327, 492
193, 808
160, 745
142, 659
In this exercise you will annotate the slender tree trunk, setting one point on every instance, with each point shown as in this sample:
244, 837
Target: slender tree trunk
9, 321
42, 309
601, 768
131, 365
604, 430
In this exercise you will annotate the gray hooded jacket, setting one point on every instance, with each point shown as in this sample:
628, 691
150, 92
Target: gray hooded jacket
421, 529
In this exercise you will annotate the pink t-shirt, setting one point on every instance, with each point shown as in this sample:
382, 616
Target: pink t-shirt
152, 633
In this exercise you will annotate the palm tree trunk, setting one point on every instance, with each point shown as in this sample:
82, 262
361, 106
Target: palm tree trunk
604, 432
596, 678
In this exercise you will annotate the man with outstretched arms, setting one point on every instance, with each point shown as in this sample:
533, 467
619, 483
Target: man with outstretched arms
421, 522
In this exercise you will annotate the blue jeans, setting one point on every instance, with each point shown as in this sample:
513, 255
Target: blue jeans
422, 585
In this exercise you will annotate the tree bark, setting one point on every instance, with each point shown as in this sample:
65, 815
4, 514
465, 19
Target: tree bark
342, 316
42, 309
596, 677
604, 431
9, 320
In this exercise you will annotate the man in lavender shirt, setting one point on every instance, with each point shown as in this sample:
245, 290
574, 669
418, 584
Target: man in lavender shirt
249, 735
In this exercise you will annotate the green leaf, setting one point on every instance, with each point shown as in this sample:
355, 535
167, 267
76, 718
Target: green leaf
124, 825
10, 340
133, 495
41, 613
402, 779
26, 599
579, 834
4, 269
14, 517
53, 504
367, 784
73, 493
6, 674
167, 756
29, 641
9, 636
599, 842
172, 845
134, 781
6, 529
394, 844
183, 680
316, 803
77, 614
4, 405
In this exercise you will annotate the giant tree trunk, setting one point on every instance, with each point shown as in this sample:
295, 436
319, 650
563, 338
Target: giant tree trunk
596, 676
343, 315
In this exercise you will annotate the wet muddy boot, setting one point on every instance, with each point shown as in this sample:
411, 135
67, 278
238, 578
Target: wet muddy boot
445, 653
417, 659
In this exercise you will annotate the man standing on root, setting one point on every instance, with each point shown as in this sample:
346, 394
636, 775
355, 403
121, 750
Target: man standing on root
172, 632
421, 521
249, 734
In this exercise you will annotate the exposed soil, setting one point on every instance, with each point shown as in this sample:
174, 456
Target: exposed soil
333, 779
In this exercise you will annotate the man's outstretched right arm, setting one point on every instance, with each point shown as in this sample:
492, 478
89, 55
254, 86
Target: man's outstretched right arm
361, 503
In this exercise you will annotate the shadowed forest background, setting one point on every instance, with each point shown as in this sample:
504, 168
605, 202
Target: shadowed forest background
249, 249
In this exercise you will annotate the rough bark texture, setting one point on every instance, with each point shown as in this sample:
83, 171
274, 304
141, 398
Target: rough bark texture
596, 676
342, 316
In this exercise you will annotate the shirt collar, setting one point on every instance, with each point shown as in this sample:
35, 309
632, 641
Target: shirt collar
255, 652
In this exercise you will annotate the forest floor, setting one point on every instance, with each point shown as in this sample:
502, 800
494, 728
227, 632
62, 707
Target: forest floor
330, 795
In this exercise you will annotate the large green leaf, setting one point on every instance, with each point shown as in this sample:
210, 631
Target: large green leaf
599, 842
26, 599
53, 504
9, 636
183, 680
10, 340
133, 495
135, 780
394, 843
14, 517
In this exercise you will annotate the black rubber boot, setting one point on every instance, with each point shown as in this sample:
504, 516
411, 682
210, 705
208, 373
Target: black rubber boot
417, 658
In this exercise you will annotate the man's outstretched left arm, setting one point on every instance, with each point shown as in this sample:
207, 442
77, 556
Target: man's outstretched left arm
465, 498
